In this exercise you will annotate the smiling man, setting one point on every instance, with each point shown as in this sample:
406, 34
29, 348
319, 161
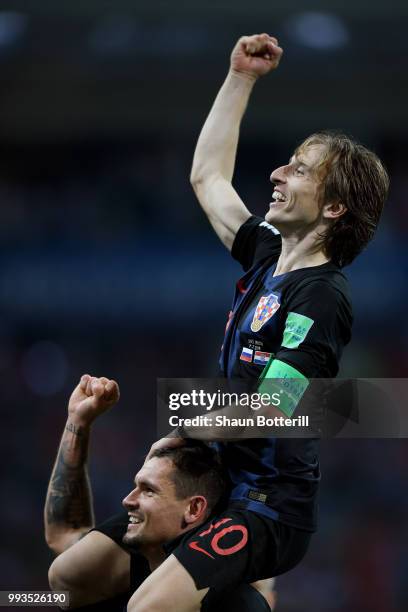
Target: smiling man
291, 318
157, 508
296, 192
174, 494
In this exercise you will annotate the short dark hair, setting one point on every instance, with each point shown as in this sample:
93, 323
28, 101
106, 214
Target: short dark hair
198, 471
355, 176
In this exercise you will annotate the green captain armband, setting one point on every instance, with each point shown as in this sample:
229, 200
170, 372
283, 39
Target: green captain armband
280, 378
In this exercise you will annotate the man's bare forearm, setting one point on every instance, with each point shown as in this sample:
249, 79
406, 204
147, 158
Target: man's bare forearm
68, 506
217, 145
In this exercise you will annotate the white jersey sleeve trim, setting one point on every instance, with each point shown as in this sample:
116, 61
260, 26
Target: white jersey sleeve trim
270, 227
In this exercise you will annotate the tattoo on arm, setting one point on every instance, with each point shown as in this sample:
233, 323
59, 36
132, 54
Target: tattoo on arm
74, 429
69, 497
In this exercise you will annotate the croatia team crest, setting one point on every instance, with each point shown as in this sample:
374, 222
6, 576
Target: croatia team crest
267, 306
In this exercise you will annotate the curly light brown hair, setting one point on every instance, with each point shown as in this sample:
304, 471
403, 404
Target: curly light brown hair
354, 176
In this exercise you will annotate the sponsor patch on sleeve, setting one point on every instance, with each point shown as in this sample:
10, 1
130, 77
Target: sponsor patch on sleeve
297, 327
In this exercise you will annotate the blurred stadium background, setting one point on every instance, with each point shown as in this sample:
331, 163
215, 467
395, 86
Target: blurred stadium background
108, 265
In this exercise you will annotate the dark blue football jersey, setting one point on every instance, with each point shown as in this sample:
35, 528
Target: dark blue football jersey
302, 318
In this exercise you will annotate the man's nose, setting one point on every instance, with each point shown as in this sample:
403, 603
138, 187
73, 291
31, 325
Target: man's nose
131, 501
278, 175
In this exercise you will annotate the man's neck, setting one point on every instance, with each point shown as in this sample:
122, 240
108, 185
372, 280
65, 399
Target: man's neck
155, 555
300, 251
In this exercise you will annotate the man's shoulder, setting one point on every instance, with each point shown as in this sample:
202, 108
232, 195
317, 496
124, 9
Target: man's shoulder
325, 287
256, 241
325, 278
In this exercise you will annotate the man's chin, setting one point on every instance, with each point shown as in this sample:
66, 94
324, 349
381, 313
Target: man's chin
272, 217
131, 539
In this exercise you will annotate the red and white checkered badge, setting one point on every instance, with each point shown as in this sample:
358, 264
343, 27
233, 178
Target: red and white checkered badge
267, 306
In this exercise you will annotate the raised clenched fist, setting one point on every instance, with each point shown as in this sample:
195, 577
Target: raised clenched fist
256, 55
92, 397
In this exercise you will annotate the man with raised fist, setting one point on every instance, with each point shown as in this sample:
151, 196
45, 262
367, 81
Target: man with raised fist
174, 493
290, 319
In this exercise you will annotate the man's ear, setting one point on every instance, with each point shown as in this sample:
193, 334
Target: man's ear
196, 509
334, 210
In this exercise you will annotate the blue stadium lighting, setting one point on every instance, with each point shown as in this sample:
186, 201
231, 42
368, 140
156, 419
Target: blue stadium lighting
321, 31
12, 27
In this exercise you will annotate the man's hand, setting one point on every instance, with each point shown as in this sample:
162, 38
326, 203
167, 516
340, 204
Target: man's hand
92, 397
256, 55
